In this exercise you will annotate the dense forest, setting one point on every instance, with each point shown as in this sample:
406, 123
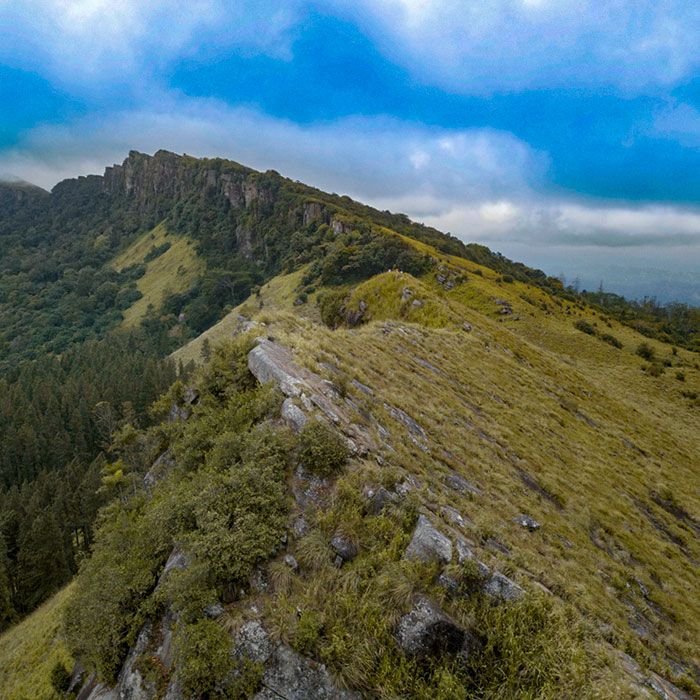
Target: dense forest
58, 418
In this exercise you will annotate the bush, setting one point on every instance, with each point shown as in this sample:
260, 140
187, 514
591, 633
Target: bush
321, 449
655, 369
680, 376
508, 279
585, 327
645, 351
611, 340
330, 304
60, 678
203, 658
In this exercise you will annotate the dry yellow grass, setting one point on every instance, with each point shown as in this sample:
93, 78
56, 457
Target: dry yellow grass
173, 271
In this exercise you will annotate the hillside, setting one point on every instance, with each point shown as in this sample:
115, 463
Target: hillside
396, 466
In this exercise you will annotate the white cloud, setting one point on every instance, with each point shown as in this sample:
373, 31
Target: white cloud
483, 47
93, 41
480, 185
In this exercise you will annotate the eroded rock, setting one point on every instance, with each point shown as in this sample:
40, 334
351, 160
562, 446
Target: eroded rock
427, 631
428, 544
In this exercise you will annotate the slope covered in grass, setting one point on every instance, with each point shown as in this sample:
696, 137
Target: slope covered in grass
30, 650
171, 266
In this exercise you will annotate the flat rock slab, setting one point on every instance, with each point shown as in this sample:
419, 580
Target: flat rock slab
429, 544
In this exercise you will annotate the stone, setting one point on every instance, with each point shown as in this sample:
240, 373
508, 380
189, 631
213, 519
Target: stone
158, 470
300, 527
344, 547
290, 676
453, 516
176, 560
467, 327
427, 631
293, 416
214, 610
406, 294
417, 303
527, 522
270, 362
428, 544
378, 500
291, 562
461, 485
402, 417
362, 387
502, 588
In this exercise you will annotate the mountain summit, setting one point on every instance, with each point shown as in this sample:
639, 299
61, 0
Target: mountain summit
392, 464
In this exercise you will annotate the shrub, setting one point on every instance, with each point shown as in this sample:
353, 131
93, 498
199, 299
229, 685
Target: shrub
321, 449
584, 327
508, 279
645, 351
680, 376
330, 304
611, 340
203, 658
60, 678
655, 369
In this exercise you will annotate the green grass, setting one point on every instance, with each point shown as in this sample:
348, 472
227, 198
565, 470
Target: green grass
173, 271
30, 650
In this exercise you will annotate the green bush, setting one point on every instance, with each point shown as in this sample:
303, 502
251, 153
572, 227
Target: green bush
60, 678
585, 327
330, 304
321, 449
680, 376
645, 351
203, 658
611, 340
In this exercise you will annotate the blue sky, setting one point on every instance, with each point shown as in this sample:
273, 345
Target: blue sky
564, 134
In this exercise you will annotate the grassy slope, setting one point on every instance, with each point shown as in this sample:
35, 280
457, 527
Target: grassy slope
30, 650
525, 394
529, 394
173, 271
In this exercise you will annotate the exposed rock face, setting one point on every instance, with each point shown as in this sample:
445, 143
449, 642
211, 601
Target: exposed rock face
313, 211
287, 675
528, 522
502, 588
429, 544
272, 362
461, 485
377, 500
427, 631
293, 416
158, 470
344, 547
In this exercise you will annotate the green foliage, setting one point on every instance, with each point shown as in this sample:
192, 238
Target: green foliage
534, 648
585, 327
321, 449
226, 506
203, 658
60, 677
102, 617
330, 304
645, 351
156, 251
611, 340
